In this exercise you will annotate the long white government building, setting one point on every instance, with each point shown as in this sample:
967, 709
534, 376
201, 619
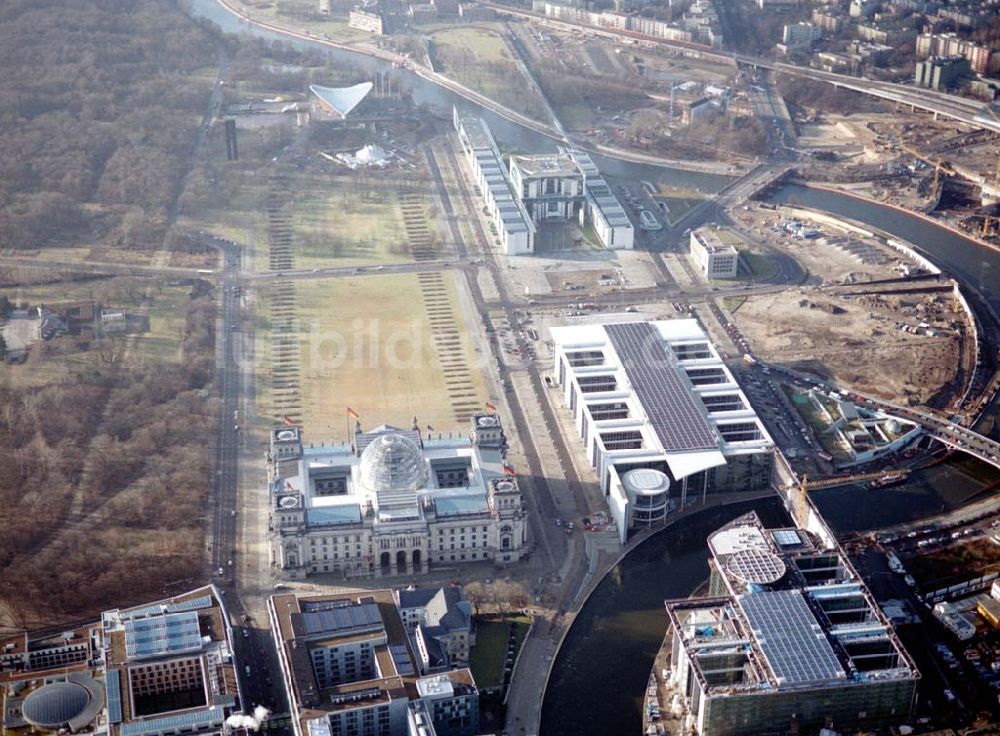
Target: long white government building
660, 415
393, 501
537, 188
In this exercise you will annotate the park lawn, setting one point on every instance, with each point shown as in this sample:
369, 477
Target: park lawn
756, 266
162, 344
367, 344
485, 46
482, 60
487, 658
576, 116
349, 222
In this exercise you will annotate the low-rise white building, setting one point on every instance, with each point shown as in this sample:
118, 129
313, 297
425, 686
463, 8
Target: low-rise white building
661, 417
511, 220
715, 259
393, 501
603, 210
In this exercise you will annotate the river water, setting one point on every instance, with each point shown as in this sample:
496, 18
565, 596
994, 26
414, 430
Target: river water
599, 678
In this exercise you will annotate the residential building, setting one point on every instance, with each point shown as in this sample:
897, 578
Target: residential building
828, 21
942, 72
440, 620
885, 33
661, 417
164, 669
831, 62
788, 639
367, 18
970, 15
349, 669
716, 259
766, 5
868, 52
393, 501
800, 35
863, 8
949, 44
513, 224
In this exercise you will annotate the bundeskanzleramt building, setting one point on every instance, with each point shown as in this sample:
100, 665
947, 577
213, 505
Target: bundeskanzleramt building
790, 637
393, 501
661, 417
715, 259
350, 669
538, 188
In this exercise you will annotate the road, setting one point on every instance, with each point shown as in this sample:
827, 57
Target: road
223, 558
973, 113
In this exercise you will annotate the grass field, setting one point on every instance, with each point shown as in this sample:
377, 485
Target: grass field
486, 659
484, 46
342, 220
369, 342
482, 60
349, 222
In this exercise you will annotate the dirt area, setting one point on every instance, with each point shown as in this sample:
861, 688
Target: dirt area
582, 271
954, 564
853, 342
839, 254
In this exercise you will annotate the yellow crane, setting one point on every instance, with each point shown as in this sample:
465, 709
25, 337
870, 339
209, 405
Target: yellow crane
939, 165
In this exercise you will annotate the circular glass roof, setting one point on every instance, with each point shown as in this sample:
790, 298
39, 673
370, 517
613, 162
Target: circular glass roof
756, 566
393, 463
54, 705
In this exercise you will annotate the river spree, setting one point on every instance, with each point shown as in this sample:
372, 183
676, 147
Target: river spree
599, 677
971, 263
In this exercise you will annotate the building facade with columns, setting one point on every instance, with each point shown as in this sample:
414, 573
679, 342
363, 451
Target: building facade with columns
393, 501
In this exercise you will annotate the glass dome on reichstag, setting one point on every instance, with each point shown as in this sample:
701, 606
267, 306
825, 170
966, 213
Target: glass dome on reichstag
393, 463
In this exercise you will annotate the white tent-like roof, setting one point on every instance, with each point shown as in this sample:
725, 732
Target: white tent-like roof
342, 100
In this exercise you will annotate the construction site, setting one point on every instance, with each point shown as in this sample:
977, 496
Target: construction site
870, 316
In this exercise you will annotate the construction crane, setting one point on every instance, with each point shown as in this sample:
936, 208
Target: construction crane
939, 166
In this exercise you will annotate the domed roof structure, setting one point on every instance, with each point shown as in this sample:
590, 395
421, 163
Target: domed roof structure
646, 481
55, 705
393, 462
